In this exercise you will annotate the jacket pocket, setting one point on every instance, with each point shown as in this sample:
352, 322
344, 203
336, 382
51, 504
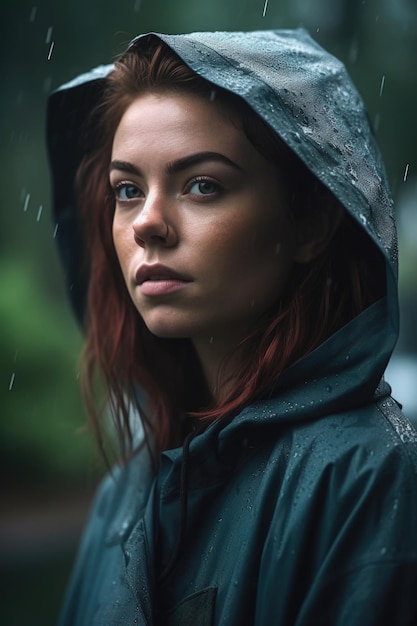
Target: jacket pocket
197, 609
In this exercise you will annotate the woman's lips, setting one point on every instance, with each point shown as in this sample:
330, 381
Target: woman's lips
161, 287
157, 280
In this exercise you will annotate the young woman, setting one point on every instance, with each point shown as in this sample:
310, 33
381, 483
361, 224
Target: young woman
228, 236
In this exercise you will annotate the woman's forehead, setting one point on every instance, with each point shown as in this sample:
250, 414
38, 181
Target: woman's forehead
178, 122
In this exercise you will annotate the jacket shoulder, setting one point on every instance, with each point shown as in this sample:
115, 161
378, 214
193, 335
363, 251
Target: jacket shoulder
378, 433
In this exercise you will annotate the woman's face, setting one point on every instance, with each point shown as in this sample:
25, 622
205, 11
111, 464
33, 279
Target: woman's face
201, 226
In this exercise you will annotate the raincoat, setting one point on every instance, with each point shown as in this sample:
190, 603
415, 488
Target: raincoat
302, 509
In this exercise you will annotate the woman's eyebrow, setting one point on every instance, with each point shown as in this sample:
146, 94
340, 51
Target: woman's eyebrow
124, 166
179, 164
200, 157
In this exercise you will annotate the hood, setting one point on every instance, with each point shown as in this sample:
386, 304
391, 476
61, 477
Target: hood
305, 95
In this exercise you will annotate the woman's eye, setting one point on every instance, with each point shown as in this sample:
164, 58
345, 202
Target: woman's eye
127, 191
204, 188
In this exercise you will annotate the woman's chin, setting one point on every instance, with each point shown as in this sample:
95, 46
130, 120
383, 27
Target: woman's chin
166, 330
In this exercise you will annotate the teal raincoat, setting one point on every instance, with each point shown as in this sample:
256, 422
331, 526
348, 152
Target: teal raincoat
302, 509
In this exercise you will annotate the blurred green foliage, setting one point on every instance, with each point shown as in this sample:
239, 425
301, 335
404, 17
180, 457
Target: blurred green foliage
44, 409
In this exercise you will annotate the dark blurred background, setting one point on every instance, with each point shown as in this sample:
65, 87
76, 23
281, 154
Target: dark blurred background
49, 465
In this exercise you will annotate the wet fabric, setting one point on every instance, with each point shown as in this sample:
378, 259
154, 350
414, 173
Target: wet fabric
302, 509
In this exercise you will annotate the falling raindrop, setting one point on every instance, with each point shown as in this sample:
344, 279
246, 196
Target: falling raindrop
381, 88
47, 84
407, 167
51, 47
353, 52
212, 95
38, 217
13, 376
278, 248
48, 35
55, 231
33, 14
265, 8
211, 339
136, 6
26, 204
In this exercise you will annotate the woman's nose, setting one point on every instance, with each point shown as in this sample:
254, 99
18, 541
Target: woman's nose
152, 227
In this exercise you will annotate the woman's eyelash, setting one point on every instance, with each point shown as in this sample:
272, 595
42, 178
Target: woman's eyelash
207, 186
121, 186
199, 186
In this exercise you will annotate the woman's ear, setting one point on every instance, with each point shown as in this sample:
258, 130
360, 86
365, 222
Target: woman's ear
316, 229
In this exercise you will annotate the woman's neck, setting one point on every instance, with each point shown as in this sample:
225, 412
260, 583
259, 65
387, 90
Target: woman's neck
219, 361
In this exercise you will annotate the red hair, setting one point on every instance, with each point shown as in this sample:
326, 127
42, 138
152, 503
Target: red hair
161, 377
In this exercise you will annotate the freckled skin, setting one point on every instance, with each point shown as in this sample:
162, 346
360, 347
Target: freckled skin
229, 232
